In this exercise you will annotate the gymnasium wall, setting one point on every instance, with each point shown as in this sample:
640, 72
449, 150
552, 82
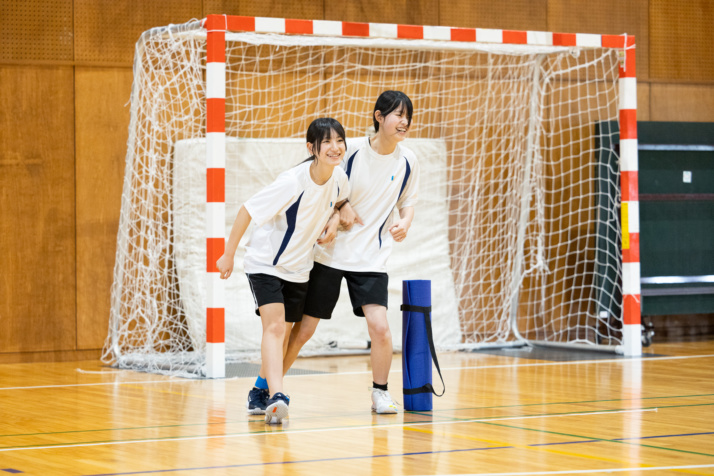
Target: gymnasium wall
65, 81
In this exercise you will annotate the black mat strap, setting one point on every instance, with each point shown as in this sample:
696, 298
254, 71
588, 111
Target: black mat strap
427, 316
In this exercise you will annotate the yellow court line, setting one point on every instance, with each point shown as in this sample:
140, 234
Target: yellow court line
519, 446
540, 448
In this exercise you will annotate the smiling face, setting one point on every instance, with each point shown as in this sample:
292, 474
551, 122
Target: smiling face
392, 116
394, 125
326, 141
329, 150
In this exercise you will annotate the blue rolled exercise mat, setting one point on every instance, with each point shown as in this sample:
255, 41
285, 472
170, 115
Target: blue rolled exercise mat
418, 346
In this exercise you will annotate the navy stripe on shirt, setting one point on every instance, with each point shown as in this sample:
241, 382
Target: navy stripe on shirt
379, 235
291, 215
404, 183
349, 164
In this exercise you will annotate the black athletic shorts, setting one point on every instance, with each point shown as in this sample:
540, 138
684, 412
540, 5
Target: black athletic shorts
324, 289
268, 289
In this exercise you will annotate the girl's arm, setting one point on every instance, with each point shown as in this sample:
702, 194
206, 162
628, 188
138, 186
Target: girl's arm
225, 262
330, 231
399, 229
348, 216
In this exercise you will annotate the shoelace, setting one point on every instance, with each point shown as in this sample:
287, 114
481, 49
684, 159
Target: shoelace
256, 391
371, 389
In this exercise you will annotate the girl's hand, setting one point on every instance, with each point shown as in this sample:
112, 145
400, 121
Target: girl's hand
330, 231
399, 230
225, 266
348, 217
328, 234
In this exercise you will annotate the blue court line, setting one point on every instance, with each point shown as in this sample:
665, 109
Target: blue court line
416, 453
347, 458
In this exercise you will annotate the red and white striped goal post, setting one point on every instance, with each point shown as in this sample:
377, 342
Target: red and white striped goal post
216, 27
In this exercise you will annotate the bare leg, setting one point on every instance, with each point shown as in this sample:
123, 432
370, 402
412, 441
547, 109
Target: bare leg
288, 331
381, 338
290, 328
298, 337
271, 348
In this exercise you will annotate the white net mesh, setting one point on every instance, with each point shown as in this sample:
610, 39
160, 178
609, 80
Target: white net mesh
517, 224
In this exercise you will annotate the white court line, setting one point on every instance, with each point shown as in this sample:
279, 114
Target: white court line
320, 430
37, 387
580, 471
365, 372
541, 364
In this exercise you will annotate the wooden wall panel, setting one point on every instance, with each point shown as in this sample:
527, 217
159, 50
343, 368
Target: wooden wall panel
304, 10
102, 126
643, 102
682, 40
612, 17
37, 242
36, 31
409, 12
682, 103
106, 32
50, 356
512, 15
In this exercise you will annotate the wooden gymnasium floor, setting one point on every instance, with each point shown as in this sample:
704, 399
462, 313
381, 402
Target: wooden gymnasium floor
507, 412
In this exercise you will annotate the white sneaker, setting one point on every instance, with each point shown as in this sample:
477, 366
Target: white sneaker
382, 402
277, 409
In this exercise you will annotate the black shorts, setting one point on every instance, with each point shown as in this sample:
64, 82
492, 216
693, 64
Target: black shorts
324, 290
268, 289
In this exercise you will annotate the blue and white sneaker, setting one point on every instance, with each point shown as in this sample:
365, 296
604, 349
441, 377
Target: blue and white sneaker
257, 401
277, 409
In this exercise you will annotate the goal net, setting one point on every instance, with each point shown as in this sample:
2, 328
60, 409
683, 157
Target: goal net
518, 224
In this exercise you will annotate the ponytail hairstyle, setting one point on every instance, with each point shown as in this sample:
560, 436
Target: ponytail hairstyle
388, 102
321, 129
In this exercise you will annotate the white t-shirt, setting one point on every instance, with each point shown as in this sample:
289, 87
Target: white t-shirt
379, 183
289, 215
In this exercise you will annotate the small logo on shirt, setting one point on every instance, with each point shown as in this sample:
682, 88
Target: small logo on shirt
330, 204
392, 178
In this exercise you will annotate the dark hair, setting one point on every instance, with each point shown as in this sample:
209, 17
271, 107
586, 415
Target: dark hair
390, 101
321, 129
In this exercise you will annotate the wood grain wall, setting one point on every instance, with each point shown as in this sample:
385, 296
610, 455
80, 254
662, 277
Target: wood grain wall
65, 81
